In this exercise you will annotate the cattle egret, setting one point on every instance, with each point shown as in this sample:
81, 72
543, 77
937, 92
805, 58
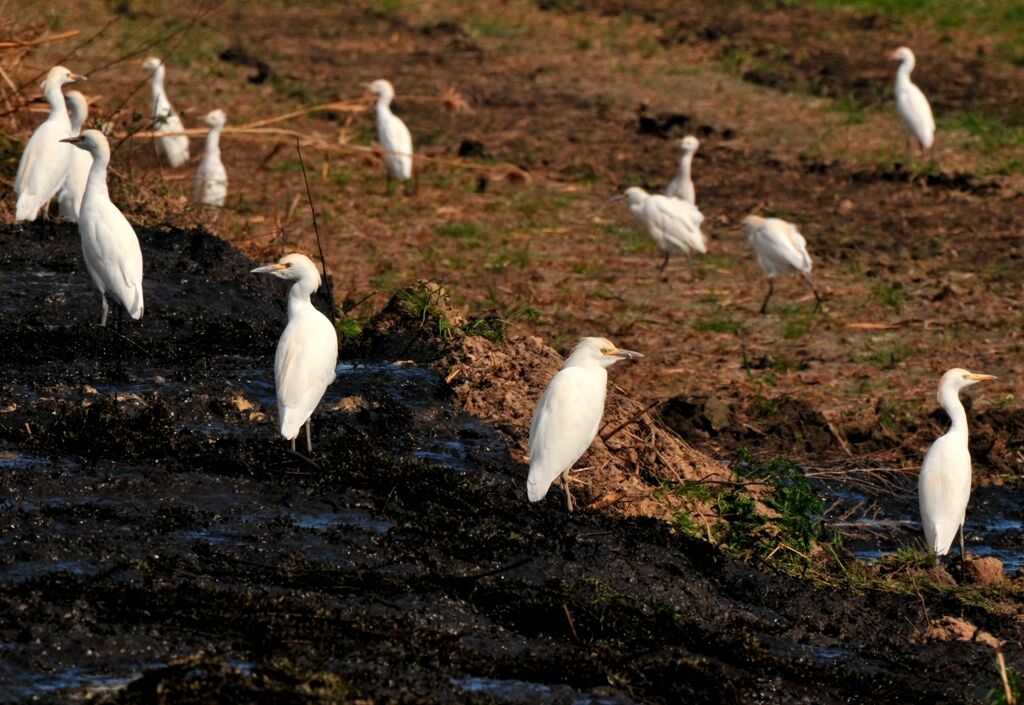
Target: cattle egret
44, 163
70, 195
172, 147
682, 186
109, 244
394, 136
780, 249
568, 415
673, 224
911, 104
211, 186
307, 353
944, 485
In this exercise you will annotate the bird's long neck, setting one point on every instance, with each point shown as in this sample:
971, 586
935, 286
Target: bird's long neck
158, 82
950, 400
903, 72
298, 296
213, 141
77, 120
55, 97
685, 164
96, 186
384, 105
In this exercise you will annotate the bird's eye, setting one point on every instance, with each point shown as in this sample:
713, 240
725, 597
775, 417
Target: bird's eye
965, 375
606, 351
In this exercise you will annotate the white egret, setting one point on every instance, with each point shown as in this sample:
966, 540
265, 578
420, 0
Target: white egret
781, 249
109, 244
911, 104
70, 195
307, 353
44, 163
211, 187
682, 186
173, 148
394, 136
673, 224
944, 485
568, 415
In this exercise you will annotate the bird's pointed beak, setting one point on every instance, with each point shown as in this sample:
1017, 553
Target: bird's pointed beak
978, 377
625, 354
77, 77
269, 268
73, 140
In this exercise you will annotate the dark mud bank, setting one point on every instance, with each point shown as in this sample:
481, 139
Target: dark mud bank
158, 543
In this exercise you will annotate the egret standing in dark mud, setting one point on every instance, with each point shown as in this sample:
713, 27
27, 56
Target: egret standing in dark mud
307, 353
568, 415
109, 243
394, 136
682, 186
912, 106
944, 486
70, 196
780, 249
673, 224
172, 147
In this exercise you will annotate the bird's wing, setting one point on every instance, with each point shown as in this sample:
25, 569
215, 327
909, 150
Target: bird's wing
678, 221
799, 244
396, 140
778, 245
304, 366
119, 257
943, 492
564, 425
917, 113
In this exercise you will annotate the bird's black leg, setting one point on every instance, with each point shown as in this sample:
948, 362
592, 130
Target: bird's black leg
818, 301
565, 488
293, 443
387, 189
309, 436
771, 289
412, 187
963, 561
661, 272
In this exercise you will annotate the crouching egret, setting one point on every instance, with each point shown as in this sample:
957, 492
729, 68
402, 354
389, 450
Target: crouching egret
912, 106
682, 186
568, 415
172, 147
944, 485
44, 163
307, 353
70, 195
109, 244
211, 186
394, 136
673, 224
781, 249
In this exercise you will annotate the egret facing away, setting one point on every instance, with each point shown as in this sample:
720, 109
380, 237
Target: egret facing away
682, 185
307, 353
944, 485
211, 186
673, 224
780, 249
568, 415
70, 195
44, 163
394, 136
173, 148
911, 104
109, 244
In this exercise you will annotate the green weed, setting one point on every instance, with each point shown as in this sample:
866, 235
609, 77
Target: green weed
720, 322
888, 293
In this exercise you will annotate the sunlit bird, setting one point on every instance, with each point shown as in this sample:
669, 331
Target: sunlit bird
70, 195
173, 148
912, 106
780, 249
307, 353
394, 136
109, 244
211, 186
682, 185
44, 163
944, 486
673, 224
568, 415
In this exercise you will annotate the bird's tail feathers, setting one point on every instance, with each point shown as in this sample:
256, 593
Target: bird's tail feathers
27, 208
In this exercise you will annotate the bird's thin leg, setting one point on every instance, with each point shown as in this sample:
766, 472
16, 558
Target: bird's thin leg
415, 184
818, 301
963, 561
293, 443
106, 310
771, 289
689, 261
387, 189
309, 437
565, 488
661, 272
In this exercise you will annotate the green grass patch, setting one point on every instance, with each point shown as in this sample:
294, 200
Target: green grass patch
720, 322
469, 234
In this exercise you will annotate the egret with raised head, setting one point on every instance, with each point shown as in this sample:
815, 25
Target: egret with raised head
912, 106
395, 138
211, 185
682, 186
70, 195
172, 147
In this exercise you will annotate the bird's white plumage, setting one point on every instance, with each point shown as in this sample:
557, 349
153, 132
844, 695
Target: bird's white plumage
673, 224
172, 147
682, 186
394, 136
779, 246
211, 183
913, 108
44, 163
70, 195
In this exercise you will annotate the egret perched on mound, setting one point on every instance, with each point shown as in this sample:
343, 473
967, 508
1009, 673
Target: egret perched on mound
173, 148
780, 249
673, 224
911, 104
944, 485
70, 195
44, 163
394, 136
211, 187
307, 353
682, 186
109, 244
568, 415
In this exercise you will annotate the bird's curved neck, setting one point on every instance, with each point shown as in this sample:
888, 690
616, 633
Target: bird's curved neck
213, 140
950, 400
77, 120
298, 296
685, 164
55, 97
158, 81
903, 72
96, 186
384, 104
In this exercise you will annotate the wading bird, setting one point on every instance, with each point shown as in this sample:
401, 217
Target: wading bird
944, 485
682, 186
173, 148
568, 415
912, 106
109, 244
307, 353
780, 249
673, 224
394, 136
70, 195
211, 187
44, 163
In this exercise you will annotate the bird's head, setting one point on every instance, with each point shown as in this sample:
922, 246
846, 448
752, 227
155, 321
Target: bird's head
60, 76
958, 378
902, 54
78, 106
152, 63
752, 222
690, 144
294, 266
215, 118
381, 87
602, 351
92, 141
635, 195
